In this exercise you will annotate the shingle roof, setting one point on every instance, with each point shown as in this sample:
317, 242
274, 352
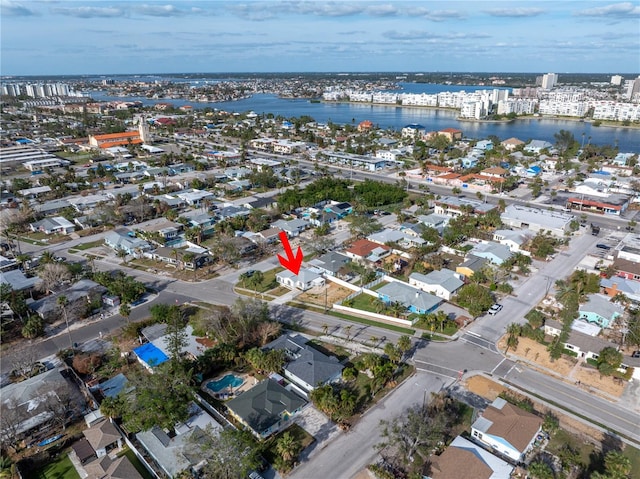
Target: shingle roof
444, 277
600, 305
464, 459
409, 296
517, 426
261, 406
101, 435
304, 361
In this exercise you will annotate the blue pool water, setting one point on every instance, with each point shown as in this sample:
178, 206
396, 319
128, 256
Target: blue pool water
223, 383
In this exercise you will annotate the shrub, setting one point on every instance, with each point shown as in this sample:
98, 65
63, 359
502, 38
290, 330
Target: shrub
86, 363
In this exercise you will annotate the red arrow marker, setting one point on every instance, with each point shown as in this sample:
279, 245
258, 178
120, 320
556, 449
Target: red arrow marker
291, 262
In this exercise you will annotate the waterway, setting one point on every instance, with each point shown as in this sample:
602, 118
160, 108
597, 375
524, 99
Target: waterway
396, 117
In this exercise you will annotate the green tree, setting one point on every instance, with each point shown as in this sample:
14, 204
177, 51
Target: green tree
475, 298
404, 344
176, 338
617, 465
540, 470
288, 447
564, 141
125, 311
231, 454
393, 352
609, 359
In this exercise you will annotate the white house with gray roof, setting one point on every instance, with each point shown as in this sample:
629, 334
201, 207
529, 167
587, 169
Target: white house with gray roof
535, 219
118, 240
57, 225
304, 280
513, 239
443, 283
330, 263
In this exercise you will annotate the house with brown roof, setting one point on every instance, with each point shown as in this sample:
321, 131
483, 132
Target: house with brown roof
107, 468
103, 437
365, 250
511, 144
452, 134
507, 429
464, 459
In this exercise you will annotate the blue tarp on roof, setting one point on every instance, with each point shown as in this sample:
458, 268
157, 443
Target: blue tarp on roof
112, 387
150, 354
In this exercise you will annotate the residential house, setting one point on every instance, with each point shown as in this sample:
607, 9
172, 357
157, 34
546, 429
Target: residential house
364, 250
584, 345
598, 309
536, 146
537, 220
160, 228
80, 296
266, 203
415, 300
150, 356
266, 408
103, 437
51, 207
108, 468
511, 144
453, 206
232, 211
443, 283
304, 280
292, 227
514, 240
340, 209
7, 264
120, 240
437, 222
471, 265
181, 448
388, 236
507, 429
243, 246
268, 236
465, 459
194, 197
452, 134
617, 285
495, 253
305, 365
627, 269
330, 263
27, 401
56, 225
17, 280
177, 256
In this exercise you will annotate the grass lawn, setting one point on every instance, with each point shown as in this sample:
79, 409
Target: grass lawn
562, 437
136, 463
633, 454
364, 302
60, 469
302, 436
433, 337
268, 281
369, 322
85, 246
449, 327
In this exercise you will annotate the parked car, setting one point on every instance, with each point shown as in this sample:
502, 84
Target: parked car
603, 246
495, 309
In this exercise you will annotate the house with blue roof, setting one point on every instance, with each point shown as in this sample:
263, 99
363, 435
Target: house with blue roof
534, 170
469, 162
496, 253
599, 310
150, 356
414, 299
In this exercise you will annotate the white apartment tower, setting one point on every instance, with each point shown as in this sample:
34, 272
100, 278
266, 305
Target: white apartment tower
549, 81
616, 80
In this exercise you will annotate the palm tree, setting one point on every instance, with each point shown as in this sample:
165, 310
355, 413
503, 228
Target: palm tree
617, 465
256, 280
347, 331
125, 311
62, 303
325, 328
122, 254
47, 257
287, 446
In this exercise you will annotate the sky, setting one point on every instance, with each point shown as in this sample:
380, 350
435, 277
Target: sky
72, 37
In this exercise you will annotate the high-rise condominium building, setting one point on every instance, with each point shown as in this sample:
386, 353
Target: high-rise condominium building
549, 81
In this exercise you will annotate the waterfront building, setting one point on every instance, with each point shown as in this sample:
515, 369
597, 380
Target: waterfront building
549, 81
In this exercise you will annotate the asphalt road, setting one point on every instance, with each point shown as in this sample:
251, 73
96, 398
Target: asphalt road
346, 455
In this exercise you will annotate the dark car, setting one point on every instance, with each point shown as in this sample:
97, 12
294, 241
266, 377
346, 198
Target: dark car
603, 246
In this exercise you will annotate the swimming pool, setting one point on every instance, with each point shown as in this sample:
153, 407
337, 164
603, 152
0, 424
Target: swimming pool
224, 382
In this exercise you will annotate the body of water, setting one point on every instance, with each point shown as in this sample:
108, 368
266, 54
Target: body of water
395, 117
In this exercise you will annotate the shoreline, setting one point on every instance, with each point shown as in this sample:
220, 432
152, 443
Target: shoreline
604, 124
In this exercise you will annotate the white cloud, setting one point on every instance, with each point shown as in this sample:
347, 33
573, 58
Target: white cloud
159, 10
15, 9
89, 12
616, 10
515, 12
425, 35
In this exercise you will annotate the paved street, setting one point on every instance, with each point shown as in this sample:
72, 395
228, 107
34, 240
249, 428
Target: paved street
351, 451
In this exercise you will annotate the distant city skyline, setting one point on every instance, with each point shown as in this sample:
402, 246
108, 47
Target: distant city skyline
43, 37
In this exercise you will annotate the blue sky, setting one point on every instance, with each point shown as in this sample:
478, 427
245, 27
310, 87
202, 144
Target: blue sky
49, 37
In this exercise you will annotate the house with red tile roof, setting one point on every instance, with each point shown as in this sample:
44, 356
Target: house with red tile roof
365, 250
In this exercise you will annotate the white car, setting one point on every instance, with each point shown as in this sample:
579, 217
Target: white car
495, 309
